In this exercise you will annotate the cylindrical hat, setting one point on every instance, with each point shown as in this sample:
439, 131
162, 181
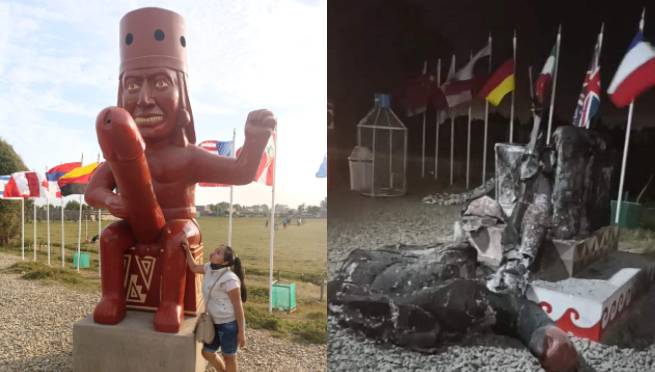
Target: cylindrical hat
152, 37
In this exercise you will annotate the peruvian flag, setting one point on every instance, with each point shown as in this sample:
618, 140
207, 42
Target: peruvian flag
265, 172
542, 86
635, 74
26, 185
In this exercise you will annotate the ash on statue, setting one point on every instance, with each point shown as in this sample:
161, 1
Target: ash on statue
148, 143
420, 296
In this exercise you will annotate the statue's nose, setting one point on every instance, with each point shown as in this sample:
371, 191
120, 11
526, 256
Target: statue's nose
145, 96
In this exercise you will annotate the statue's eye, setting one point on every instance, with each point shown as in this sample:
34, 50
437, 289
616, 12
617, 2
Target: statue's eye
161, 84
132, 87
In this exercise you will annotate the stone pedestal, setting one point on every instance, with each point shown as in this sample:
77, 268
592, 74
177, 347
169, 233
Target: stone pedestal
134, 345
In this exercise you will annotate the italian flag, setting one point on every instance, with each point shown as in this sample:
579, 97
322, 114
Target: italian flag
499, 84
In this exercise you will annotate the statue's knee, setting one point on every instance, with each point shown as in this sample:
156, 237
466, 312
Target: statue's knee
115, 234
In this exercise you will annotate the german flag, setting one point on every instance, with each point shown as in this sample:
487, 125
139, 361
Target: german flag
499, 84
75, 181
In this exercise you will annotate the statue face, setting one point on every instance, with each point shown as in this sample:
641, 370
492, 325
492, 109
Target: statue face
152, 97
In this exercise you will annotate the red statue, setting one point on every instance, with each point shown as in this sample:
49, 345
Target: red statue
148, 143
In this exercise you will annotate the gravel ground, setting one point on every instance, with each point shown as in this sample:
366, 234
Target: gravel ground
358, 222
36, 331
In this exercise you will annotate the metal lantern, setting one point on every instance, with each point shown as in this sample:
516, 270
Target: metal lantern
382, 132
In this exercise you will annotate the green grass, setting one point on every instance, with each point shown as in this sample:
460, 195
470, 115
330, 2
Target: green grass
300, 255
638, 240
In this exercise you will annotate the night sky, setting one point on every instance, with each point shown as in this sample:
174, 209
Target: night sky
375, 45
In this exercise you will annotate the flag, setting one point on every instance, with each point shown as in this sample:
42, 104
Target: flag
322, 169
3, 183
589, 100
267, 163
499, 84
545, 78
75, 181
635, 74
415, 94
56, 172
26, 185
221, 148
459, 87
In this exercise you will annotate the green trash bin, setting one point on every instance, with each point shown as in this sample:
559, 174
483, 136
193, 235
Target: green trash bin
630, 214
84, 258
284, 296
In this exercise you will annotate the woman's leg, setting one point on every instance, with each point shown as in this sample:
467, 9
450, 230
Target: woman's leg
230, 362
214, 360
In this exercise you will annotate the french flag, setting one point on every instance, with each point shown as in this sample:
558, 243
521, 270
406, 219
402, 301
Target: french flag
635, 74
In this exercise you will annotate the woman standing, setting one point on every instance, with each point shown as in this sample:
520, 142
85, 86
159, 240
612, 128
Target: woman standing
225, 305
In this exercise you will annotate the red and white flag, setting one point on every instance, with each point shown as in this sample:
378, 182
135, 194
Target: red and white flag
26, 185
265, 172
545, 78
458, 88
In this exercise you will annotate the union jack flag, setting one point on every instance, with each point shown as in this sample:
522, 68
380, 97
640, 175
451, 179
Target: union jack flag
589, 100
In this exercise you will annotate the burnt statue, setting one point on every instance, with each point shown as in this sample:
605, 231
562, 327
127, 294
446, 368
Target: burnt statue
148, 142
420, 296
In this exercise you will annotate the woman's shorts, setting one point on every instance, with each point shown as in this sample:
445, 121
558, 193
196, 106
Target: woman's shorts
225, 338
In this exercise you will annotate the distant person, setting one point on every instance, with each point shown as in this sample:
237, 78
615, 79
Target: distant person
266, 223
228, 292
299, 221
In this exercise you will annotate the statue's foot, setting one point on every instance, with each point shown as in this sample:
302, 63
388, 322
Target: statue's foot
169, 317
109, 311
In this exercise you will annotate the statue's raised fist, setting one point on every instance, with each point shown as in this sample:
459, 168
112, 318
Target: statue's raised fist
259, 122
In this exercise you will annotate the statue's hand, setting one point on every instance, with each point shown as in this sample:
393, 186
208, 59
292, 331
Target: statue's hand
559, 354
260, 122
117, 206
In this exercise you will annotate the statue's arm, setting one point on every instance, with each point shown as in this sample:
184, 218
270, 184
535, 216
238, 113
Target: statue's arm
209, 167
100, 192
520, 318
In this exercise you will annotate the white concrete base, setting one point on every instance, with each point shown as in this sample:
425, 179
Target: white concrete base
587, 304
134, 345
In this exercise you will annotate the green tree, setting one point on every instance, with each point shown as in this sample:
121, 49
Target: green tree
72, 205
10, 162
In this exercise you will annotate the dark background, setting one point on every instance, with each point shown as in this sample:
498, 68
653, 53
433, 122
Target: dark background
374, 46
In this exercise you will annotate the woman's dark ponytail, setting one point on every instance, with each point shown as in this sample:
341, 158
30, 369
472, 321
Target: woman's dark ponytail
238, 270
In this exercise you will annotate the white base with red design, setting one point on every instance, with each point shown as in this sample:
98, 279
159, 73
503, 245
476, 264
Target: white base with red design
586, 305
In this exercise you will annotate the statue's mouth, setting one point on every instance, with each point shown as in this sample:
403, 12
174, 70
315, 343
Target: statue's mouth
148, 120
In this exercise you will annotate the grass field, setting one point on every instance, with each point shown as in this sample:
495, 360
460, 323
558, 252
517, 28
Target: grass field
300, 256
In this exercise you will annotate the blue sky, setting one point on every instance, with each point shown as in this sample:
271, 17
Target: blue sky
59, 67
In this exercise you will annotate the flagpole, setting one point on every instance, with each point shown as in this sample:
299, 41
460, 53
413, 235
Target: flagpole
34, 225
79, 226
62, 231
229, 221
627, 140
511, 112
47, 214
486, 124
99, 229
452, 137
468, 137
425, 71
22, 227
436, 141
271, 228
552, 93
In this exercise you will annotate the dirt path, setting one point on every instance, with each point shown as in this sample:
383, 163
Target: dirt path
36, 331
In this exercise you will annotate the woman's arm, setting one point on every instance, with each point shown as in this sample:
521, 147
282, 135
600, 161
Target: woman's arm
235, 297
198, 269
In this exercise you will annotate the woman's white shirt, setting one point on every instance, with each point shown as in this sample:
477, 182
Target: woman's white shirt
220, 307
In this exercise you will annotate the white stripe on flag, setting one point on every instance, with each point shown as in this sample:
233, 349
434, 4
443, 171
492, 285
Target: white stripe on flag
637, 56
